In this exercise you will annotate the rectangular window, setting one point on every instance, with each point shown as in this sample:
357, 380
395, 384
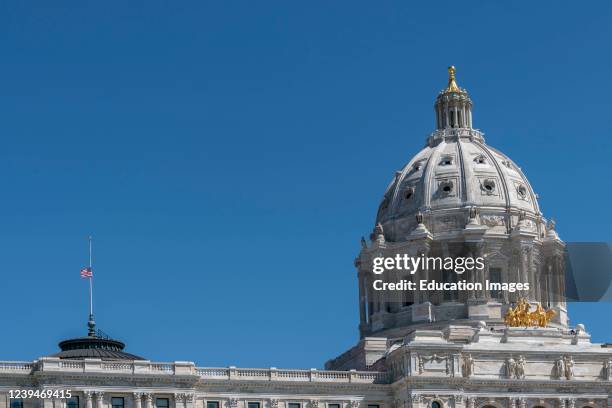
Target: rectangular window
293, 405
16, 403
72, 402
495, 277
253, 405
333, 405
162, 403
373, 406
212, 404
117, 402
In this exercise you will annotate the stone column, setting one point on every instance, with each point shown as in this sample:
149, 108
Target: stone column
362, 296
88, 399
148, 400
458, 401
137, 396
99, 399
179, 400
189, 400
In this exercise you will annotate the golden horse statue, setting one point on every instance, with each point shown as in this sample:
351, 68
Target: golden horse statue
522, 316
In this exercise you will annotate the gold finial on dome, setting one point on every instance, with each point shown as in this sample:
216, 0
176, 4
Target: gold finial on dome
452, 85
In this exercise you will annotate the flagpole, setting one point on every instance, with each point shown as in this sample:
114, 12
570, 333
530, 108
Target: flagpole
90, 281
91, 323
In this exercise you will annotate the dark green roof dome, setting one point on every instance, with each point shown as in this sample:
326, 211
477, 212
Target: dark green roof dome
94, 347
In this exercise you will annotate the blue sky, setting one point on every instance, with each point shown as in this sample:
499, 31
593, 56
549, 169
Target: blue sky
227, 157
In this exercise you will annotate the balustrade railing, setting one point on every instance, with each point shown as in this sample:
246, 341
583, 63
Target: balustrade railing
188, 369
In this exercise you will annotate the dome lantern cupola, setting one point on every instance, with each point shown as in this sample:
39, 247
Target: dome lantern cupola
453, 105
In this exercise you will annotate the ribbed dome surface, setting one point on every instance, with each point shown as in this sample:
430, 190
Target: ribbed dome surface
456, 170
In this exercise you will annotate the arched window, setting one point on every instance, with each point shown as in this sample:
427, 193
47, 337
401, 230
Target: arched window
436, 404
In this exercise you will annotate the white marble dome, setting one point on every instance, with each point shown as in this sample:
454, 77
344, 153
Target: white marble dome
455, 170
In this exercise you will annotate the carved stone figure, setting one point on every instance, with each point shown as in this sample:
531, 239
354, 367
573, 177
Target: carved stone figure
468, 366
569, 367
560, 368
419, 217
608, 370
510, 367
519, 371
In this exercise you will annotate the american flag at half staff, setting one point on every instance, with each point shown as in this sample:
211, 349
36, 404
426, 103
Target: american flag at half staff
86, 272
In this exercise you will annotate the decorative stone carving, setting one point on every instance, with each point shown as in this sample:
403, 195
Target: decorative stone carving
571, 403
353, 404
510, 367
473, 214
419, 361
313, 403
273, 403
569, 367
607, 370
492, 220
232, 403
522, 402
511, 402
520, 368
559, 370
471, 402
419, 218
467, 366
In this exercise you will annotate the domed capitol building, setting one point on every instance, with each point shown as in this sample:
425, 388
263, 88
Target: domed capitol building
457, 197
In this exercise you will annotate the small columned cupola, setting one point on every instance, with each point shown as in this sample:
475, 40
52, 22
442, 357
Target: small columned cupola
453, 105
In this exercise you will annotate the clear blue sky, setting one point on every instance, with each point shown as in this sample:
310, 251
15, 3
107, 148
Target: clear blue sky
227, 156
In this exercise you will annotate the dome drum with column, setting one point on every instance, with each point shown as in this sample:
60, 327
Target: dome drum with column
472, 199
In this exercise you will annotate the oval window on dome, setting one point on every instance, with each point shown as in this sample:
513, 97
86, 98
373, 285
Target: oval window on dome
408, 193
522, 191
488, 186
446, 161
445, 188
480, 159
